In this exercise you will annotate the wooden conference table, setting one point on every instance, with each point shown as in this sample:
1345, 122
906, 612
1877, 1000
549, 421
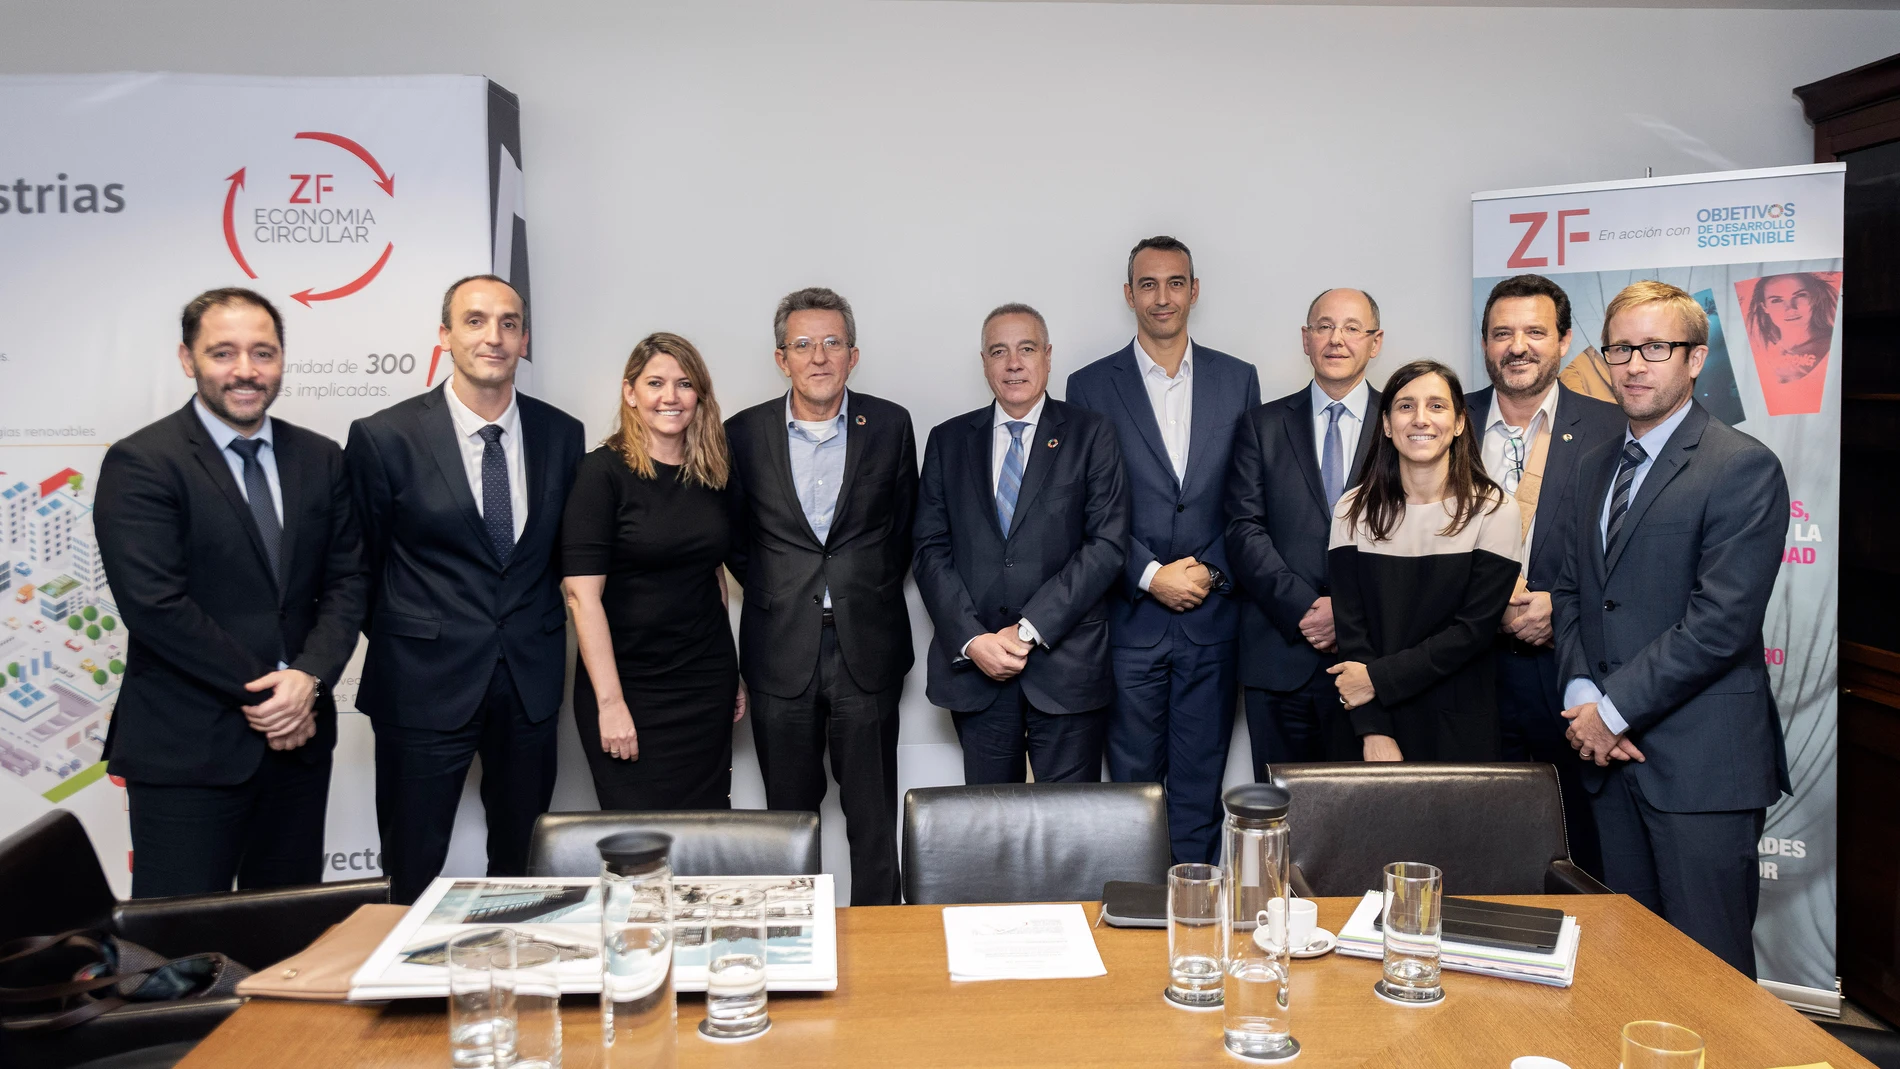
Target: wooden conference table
895, 1006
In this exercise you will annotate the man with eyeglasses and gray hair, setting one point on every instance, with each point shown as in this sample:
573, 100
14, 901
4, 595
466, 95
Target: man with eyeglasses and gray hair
821, 533
1533, 430
1293, 459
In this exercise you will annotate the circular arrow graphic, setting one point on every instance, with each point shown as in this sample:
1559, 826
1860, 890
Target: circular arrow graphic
384, 181
387, 182
305, 297
230, 228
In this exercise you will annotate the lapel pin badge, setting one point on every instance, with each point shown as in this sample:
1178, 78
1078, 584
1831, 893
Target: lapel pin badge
1052, 443
1566, 437
861, 423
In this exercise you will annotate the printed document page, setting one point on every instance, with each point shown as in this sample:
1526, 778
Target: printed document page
1035, 942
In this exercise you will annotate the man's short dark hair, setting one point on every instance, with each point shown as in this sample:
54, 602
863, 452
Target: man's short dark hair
1165, 244
194, 314
1528, 286
1374, 305
814, 299
1016, 308
448, 297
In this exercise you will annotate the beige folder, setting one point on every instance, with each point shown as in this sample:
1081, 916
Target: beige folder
322, 971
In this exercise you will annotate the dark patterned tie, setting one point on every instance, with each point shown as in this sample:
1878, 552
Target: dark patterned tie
1633, 457
263, 510
498, 510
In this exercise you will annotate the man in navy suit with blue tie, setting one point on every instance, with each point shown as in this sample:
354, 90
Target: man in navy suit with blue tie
1172, 617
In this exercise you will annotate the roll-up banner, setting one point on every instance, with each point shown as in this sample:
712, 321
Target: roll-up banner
1761, 251
349, 202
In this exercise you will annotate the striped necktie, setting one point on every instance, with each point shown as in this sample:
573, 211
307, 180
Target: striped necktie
1633, 457
1012, 480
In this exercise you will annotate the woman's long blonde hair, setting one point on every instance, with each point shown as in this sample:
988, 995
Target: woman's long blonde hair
707, 460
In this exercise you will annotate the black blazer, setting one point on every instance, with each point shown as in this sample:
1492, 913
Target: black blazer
1670, 625
1278, 527
1581, 424
203, 615
442, 607
1065, 549
785, 569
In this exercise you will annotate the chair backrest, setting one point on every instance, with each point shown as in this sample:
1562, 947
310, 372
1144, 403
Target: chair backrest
1032, 842
706, 842
1492, 828
50, 879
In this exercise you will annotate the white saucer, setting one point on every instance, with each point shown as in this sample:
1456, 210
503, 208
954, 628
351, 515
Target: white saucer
1324, 943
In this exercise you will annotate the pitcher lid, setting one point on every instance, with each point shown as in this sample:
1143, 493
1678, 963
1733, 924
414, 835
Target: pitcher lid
1257, 801
633, 850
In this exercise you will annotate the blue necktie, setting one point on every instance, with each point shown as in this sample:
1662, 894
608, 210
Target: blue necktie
1332, 464
1012, 480
1633, 456
498, 509
263, 511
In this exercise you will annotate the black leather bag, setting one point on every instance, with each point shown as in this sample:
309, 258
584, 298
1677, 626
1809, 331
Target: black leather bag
54, 982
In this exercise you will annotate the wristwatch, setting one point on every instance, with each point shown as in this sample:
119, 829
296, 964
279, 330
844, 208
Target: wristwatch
1216, 578
316, 685
1025, 634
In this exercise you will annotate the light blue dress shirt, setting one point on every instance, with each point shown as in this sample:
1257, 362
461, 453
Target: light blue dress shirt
817, 450
1583, 689
223, 435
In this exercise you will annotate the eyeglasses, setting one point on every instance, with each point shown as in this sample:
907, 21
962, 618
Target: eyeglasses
1514, 454
1349, 333
805, 346
1655, 352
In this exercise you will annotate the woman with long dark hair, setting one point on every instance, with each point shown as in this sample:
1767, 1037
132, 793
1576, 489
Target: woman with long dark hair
643, 542
1423, 559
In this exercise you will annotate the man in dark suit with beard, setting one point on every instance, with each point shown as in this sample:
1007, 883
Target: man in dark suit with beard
822, 537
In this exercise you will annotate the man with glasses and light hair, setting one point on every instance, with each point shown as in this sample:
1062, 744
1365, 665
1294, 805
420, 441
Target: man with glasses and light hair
1534, 430
1659, 605
1292, 460
821, 541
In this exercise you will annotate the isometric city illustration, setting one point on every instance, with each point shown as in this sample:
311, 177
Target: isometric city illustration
62, 644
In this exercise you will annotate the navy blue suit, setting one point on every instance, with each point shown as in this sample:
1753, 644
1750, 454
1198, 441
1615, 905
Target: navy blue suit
1278, 526
1530, 696
1064, 550
1174, 672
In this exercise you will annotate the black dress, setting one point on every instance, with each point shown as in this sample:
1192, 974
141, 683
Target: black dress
1420, 610
659, 542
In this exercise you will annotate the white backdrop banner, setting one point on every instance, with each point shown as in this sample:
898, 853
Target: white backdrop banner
1761, 251
349, 202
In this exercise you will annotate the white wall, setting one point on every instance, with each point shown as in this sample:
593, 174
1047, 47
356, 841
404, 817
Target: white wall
688, 163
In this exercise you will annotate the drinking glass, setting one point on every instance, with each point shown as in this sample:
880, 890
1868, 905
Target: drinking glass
1657, 1045
1194, 936
735, 965
1414, 933
481, 1013
529, 971
637, 1006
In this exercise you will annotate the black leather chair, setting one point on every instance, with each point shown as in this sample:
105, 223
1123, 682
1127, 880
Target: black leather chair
1032, 842
51, 882
706, 842
1494, 829
1877, 1045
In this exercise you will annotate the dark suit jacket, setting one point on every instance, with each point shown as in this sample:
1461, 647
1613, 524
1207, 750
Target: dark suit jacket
785, 569
1065, 549
1278, 526
1670, 625
442, 607
202, 612
1171, 518
1581, 424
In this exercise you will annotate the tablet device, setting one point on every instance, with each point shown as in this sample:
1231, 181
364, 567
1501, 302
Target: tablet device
1135, 905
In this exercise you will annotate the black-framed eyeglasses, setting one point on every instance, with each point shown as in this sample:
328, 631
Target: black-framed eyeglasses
1655, 352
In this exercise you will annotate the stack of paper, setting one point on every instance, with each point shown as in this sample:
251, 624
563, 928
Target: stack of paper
1043, 942
1557, 968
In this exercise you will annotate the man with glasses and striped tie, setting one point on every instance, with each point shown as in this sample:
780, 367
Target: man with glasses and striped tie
1534, 431
1022, 527
1659, 605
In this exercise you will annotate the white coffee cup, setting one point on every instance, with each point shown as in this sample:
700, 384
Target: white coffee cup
1302, 919
1537, 1063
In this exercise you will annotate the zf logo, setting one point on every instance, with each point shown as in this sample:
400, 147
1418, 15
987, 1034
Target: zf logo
1520, 257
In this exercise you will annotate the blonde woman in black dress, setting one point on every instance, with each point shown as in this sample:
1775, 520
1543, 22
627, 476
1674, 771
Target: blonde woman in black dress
642, 545
1423, 559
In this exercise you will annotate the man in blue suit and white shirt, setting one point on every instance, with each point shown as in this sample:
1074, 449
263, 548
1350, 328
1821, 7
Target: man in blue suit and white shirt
1022, 527
1172, 618
1681, 524
1293, 458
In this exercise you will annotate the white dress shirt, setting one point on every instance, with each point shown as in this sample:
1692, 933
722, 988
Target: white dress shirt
1583, 689
1497, 454
1173, 402
1357, 400
222, 434
468, 434
1000, 440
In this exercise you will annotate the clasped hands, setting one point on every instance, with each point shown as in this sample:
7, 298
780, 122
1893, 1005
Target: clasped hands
999, 654
1593, 740
1527, 617
288, 717
1182, 585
